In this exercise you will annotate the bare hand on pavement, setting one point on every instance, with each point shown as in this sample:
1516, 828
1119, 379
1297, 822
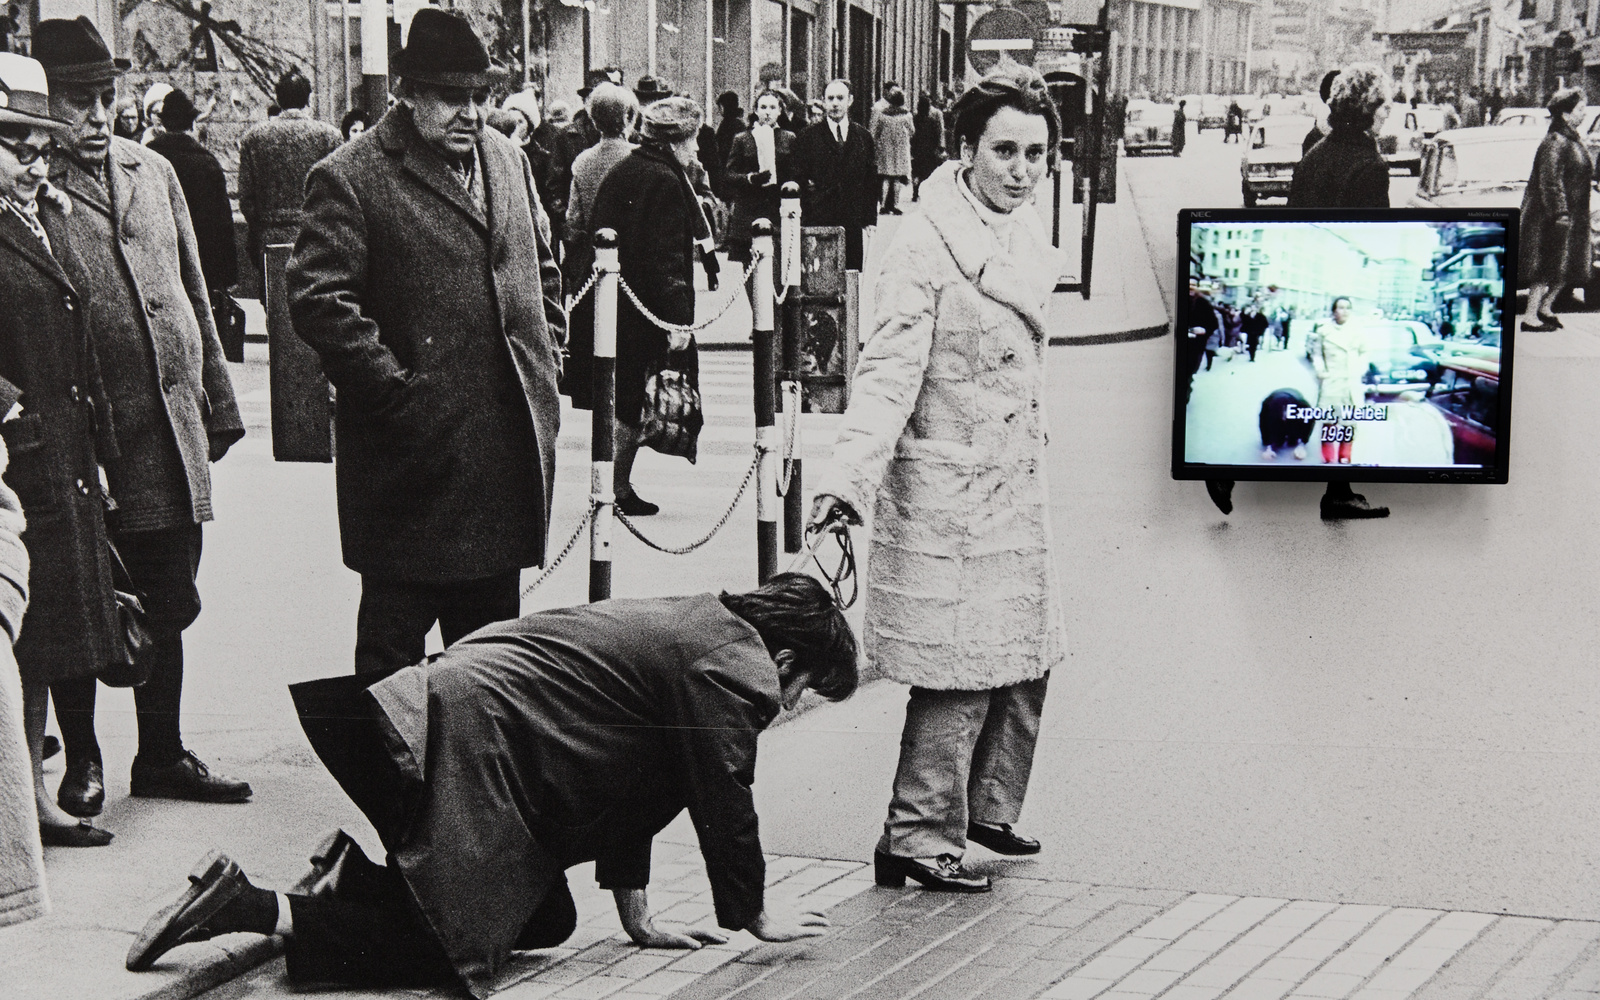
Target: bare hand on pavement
779, 923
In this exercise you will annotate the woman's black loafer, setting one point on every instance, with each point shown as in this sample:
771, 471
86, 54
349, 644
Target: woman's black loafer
947, 875
1001, 839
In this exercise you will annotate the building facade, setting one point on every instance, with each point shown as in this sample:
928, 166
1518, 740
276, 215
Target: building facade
1164, 48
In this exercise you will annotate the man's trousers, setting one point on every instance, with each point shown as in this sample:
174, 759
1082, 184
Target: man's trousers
965, 756
395, 616
366, 930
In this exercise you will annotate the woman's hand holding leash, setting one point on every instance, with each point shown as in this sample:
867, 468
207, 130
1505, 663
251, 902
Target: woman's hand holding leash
826, 509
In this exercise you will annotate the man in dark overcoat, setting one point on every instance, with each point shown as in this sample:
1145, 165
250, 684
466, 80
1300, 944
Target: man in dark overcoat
836, 166
172, 400
531, 746
274, 158
424, 280
205, 189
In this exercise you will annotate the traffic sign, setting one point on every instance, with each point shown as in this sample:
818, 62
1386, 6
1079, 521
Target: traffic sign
1001, 33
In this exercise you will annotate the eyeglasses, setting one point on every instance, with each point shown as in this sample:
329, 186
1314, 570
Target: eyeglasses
28, 155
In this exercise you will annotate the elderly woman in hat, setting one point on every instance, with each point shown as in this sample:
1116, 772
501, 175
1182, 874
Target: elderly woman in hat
1555, 211
648, 199
46, 363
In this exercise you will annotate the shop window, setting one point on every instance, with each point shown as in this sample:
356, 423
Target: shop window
800, 52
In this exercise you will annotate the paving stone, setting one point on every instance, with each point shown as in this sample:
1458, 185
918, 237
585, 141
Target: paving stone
718, 984
965, 982
1471, 971
593, 988
1076, 988
568, 972
1552, 955
1329, 984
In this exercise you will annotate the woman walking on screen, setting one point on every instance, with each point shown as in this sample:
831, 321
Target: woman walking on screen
1339, 357
944, 440
1555, 212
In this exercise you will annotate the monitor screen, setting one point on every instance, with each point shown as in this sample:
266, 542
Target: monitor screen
1365, 345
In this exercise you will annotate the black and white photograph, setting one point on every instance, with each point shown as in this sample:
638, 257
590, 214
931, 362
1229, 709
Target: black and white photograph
799, 499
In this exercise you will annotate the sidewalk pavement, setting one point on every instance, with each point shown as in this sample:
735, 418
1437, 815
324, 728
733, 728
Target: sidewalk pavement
1033, 938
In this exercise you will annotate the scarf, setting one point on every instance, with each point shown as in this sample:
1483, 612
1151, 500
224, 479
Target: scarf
766, 150
29, 214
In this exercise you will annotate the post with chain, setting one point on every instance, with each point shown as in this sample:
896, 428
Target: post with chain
761, 339
602, 454
793, 332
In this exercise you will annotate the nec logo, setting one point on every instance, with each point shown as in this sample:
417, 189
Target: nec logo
1201, 215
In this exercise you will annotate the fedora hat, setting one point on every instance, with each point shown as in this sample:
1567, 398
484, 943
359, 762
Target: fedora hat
443, 50
73, 52
178, 111
650, 90
25, 94
595, 77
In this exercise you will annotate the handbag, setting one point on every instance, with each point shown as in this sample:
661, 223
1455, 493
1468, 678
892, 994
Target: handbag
229, 317
672, 417
130, 660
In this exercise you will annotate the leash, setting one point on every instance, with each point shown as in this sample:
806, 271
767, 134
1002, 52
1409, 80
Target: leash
845, 572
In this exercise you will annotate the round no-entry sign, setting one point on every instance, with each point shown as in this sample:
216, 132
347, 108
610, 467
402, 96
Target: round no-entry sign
1001, 32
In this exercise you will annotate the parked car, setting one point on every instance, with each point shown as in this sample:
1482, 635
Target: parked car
1212, 112
1467, 395
1402, 356
1267, 164
1431, 120
1523, 117
1488, 167
1400, 139
1147, 128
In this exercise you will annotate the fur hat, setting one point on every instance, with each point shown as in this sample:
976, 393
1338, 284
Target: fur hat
73, 52
443, 50
671, 119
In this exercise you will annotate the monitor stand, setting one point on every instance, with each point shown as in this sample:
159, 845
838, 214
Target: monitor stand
1339, 503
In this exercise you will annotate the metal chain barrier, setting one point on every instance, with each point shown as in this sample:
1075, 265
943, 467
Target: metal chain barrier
565, 551
791, 417
755, 258
686, 549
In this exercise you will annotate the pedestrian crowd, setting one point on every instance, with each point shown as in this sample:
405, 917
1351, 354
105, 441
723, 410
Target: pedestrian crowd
437, 270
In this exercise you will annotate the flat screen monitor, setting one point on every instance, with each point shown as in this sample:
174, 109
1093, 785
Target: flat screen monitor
1361, 345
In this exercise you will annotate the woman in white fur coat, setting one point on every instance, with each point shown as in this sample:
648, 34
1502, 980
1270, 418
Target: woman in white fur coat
944, 441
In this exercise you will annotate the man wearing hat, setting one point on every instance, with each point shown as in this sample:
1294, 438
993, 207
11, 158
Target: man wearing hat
274, 158
172, 400
205, 188
423, 277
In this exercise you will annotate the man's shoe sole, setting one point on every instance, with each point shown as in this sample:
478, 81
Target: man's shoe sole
144, 790
215, 881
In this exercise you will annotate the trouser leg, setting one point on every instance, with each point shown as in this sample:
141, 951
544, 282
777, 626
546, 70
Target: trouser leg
392, 623
74, 703
467, 607
377, 938
1002, 760
163, 566
928, 811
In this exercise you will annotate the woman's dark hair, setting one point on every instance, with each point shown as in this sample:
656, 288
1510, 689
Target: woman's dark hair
794, 611
728, 101
1341, 298
897, 98
1017, 87
924, 106
350, 118
1327, 84
1564, 100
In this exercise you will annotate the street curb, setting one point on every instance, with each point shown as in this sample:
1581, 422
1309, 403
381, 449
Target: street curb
1126, 337
230, 964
